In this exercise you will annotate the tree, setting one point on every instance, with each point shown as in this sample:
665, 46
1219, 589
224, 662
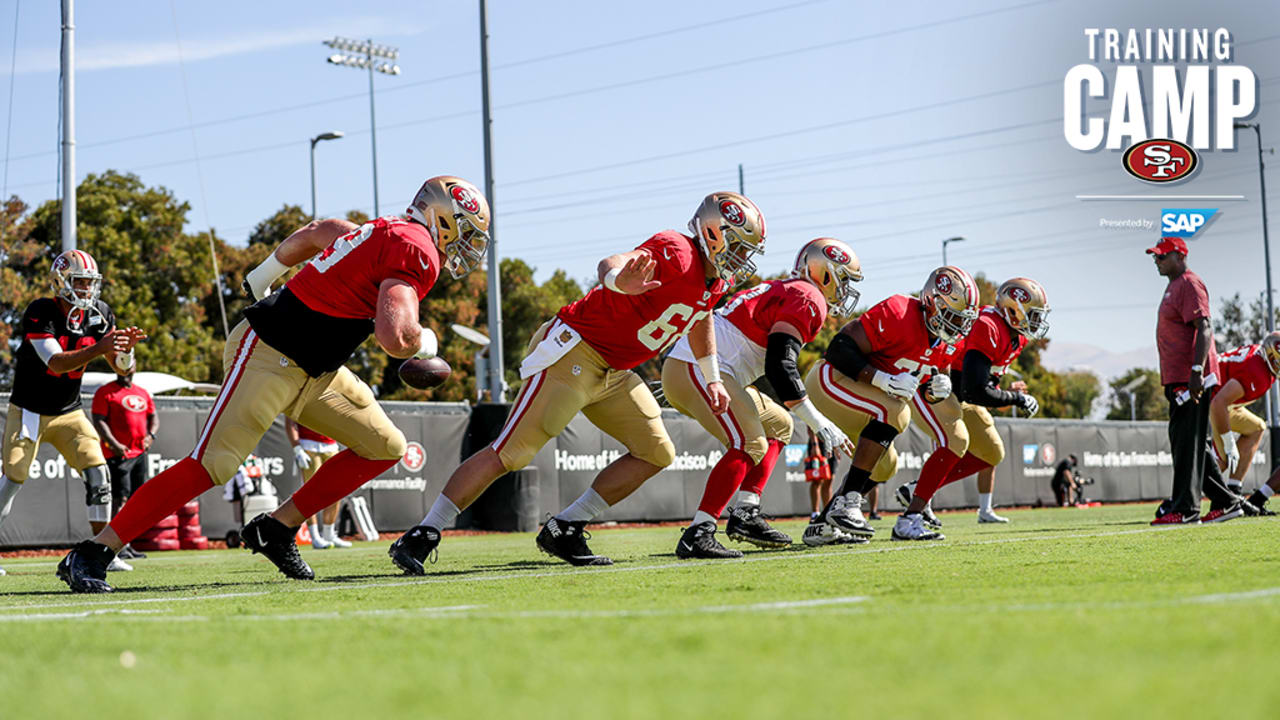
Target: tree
1148, 397
1235, 324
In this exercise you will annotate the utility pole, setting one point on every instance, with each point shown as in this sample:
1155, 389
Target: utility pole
495, 289
742, 187
68, 126
1273, 404
357, 54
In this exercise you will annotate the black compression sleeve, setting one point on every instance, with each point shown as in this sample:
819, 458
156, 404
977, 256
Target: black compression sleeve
977, 387
780, 367
843, 354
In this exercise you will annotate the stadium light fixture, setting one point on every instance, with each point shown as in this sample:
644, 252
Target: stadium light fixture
366, 55
334, 135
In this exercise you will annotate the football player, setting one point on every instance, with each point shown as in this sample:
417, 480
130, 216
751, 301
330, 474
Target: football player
287, 357
581, 360
998, 337
760, 332
1247, 374
872, 370
311, 450
60, 335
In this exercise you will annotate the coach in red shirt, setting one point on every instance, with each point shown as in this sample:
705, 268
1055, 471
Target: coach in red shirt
1189, 373
125, 416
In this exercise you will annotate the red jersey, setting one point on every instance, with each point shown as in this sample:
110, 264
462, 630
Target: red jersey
899, 339
992, 337
629, 329
343, 280
1185, 301
796, 301
1247, 366
306, 433
126, 410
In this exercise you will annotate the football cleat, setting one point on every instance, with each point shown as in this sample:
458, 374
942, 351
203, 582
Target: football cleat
845, 512
1231, 512
904, 493
1177, 518
699, 541
1164, 508
118, 565
2, 572
268, 536
568, 541
910, 526
929, 518
318, 542
819, 533
413, 548
84, 569
990, 516
336, 541
747, 524
128, 553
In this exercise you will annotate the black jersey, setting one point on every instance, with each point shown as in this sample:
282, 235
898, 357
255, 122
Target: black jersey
35, 386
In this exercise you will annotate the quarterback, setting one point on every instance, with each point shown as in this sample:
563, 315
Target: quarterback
582, 360
359, 280
871, 372
60, 335
996, 340
760, 332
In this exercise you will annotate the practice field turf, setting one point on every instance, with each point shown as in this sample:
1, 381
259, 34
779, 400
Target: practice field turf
1063, 613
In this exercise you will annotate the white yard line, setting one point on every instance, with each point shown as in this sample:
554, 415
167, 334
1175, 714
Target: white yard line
879, 547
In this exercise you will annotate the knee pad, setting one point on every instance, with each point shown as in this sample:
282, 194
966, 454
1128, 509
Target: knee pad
97, 487
880, 433
663, 454
756, 448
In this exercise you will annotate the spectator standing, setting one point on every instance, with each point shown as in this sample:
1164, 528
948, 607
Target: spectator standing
124, 415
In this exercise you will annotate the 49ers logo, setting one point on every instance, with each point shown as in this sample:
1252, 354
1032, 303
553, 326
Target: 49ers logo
733, 213
943, 284
835, 254
1019, 294
1160, 161
133, 403
61, 263
465, 199
415, 456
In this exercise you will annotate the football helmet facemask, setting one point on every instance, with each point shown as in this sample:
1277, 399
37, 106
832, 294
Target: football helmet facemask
1025, 307
1271, 351
729, 229
950, 300
457, 215
835, 269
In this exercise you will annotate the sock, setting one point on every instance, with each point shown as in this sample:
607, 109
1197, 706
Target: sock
967, 466
337, 478
442, 514
585, 509
935, 469
700, 517
1266, 491
1257, 499
1235, 486
984, 502
746, 498
855, 481
723, 482
758, 476
160, 497
8, 491
326, 532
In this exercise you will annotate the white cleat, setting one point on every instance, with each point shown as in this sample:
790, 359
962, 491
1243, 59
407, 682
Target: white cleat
846, 513
338, 542
910, 526
319, 543
118, 565
819, 533
2, 572
990, 516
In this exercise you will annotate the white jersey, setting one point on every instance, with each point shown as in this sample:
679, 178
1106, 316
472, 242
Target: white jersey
737, 355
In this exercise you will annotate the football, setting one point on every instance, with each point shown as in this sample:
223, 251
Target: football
424, 373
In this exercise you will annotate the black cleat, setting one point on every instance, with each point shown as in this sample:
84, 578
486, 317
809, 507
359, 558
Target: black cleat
904, 493
270, 537
84, 569
414, 548
747, 524
930, 519
128, 553
699, 541
568, 541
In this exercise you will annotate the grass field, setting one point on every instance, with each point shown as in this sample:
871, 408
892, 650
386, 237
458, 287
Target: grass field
1063, 613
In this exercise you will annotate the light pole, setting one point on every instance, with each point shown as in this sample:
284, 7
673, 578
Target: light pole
494, 308
361, 54
1130, 389
322, 136
1273, 406
947, 242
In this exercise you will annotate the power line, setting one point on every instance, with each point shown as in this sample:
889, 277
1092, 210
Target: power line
8, 130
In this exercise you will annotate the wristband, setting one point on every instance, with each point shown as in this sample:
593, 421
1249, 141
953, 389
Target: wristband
427, 344
124, 360
1197, 368
710, 367
810, 415
260, 278
611, 279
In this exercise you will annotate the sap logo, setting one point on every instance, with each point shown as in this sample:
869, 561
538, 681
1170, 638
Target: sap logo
1029, 453
1184, 222
794, 454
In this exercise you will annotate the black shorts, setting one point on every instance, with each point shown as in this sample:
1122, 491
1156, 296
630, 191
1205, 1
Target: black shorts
127, 475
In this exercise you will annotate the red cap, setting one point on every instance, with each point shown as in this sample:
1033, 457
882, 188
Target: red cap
1168, 245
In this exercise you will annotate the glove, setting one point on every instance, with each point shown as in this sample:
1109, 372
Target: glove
1230, 452
834, 438
301, 458
1028, 404
939, 387
428, 345
902, 385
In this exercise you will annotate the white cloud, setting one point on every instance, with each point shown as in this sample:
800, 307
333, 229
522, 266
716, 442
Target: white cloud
119, 54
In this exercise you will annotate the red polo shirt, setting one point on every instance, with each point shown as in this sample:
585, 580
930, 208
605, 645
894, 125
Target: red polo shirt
126, 410
1185, 301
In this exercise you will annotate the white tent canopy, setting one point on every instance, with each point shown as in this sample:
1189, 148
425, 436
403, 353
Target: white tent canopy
154, 383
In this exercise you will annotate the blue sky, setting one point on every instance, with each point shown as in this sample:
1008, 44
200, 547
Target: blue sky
888, 125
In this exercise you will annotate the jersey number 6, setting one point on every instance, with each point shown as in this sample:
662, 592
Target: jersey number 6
659, 333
